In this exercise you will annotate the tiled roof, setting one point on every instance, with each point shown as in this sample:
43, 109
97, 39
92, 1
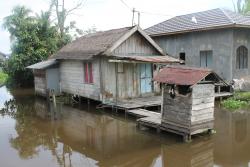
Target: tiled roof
210, 19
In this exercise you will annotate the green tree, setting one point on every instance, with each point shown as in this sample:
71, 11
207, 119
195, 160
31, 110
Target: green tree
33, 39
242, 6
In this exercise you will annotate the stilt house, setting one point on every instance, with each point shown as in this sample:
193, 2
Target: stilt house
188, 99
111, 65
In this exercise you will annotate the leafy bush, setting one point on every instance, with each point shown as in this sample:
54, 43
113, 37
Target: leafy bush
3, 78
239, 100
234, 104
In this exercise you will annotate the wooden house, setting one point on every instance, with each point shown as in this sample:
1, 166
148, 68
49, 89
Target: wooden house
46, 77
188, 99
111, 65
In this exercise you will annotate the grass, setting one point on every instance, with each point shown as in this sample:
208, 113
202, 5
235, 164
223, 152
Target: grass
3, 78
238, 101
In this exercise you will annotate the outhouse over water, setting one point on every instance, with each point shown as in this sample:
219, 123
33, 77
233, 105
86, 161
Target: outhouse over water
188, 99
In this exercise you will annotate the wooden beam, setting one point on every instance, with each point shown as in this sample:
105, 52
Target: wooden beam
128, 61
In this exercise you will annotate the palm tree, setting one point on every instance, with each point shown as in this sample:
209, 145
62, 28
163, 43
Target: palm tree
20, 14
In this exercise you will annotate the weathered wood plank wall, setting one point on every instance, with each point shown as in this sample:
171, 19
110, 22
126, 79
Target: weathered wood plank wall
40, 82
136, 44
40, 85
72, 79
191, 113
127, 80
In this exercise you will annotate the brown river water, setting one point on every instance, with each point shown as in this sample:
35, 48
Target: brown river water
35, 134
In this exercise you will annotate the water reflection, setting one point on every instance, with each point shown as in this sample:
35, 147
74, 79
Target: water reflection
4, 96
65, 131
233, 138
44, 135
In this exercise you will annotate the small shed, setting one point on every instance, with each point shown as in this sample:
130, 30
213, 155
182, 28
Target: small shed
46, 77
188, 99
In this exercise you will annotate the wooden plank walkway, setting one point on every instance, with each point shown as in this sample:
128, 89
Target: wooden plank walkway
223, 94
144, 102
146, 117
143, 113
141, 102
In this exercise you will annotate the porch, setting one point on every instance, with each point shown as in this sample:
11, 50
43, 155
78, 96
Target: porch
140, 102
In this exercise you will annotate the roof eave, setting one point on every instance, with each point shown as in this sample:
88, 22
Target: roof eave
201, 29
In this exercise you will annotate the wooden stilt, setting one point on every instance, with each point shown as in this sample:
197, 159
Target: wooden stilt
158, 130
187, 138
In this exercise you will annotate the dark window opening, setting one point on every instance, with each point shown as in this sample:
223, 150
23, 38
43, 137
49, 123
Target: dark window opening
183, 58
183, 89
242, 58
155, 67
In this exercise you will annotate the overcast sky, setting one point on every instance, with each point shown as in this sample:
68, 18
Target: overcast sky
108, 14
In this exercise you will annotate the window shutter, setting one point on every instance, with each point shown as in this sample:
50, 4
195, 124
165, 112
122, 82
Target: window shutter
86, 77
90, 73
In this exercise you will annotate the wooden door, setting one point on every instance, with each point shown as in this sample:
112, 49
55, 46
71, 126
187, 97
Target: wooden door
146, 78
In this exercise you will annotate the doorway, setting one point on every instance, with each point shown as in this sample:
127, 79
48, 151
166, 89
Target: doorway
146, 78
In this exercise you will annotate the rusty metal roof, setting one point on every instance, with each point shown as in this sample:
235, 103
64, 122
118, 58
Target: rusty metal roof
150, 59
182, 75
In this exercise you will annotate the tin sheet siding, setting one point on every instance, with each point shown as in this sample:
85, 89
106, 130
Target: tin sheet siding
135, 45
72, 79
52, 78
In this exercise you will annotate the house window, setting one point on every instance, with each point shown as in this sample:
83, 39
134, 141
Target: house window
88, 73
182, 57
206, 59
242, 57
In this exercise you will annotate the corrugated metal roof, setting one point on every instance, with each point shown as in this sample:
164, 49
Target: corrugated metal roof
43, 64
181, 76
210, 19
151, 59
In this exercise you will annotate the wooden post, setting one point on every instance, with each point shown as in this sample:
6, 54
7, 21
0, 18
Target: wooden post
126, 110
187, 138
54, 99
158, 129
